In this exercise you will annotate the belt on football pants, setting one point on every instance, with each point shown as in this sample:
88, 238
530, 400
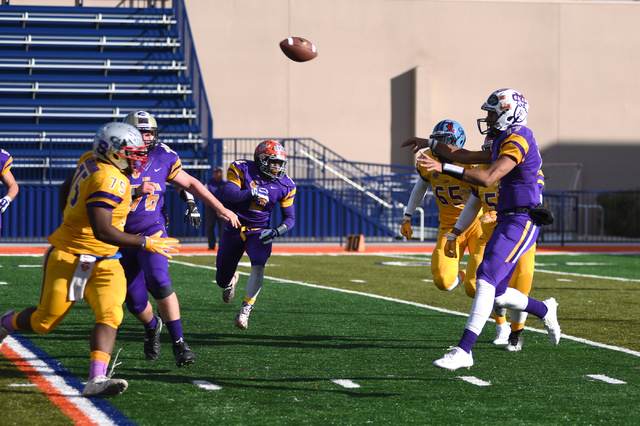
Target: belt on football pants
244, 229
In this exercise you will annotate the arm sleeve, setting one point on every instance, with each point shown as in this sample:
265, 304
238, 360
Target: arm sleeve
186, 196
289, 217
469, 213
232, 193
417, 195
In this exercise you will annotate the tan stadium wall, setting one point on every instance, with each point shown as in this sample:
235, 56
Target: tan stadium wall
577, 63
389, 69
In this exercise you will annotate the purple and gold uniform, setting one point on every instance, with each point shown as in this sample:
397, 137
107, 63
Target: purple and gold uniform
514, 233
95, 184
522, 276
242, 176
145, 269
451, 195
6, 161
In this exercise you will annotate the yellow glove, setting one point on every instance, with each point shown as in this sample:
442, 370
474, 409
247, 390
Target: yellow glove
451, 246
406, 227
488, 217
160, 245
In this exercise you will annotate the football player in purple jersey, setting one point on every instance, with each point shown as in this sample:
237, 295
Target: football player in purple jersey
9, 182
515, 161
147, 271
253, 190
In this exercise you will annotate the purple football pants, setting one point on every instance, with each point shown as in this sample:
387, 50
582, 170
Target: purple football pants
511, 238
232, 247
145, 271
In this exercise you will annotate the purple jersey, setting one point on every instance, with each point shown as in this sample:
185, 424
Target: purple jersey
251, 213
6, 161
214, 186
519, 187
162, 165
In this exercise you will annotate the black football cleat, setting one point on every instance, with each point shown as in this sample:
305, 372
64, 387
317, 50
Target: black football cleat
184, 355
152, 341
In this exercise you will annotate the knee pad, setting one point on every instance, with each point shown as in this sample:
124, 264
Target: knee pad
136, 308
111, 316
162, 292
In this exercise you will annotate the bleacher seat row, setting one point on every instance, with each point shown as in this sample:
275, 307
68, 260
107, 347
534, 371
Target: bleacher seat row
65, 71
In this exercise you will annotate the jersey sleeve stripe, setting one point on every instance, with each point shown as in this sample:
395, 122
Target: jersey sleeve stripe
101, 204
107, 195
235, 175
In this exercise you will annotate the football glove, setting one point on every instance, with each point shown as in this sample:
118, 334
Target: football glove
405, 229
269, 234
4, 203
451, 247
488, 217
160, 245
192, 214
260, 195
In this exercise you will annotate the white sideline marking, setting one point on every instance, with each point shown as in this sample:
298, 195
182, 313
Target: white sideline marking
606, 379
586, 276
21, 385
28, 266
346, 383
3, 283
434, 308
474, 380
203, 384
72, 394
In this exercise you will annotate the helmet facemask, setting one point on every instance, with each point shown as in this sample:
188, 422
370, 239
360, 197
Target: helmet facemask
271, 159
121, 145
448, 132
145, 123
511, 108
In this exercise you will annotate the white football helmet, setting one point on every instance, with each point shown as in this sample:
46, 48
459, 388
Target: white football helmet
144, 122
120, 144
512, 108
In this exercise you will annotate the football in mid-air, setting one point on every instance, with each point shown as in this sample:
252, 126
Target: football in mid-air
298, 49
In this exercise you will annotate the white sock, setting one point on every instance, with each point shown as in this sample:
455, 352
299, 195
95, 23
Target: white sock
254, 283
512, 299
482, 306
518, 316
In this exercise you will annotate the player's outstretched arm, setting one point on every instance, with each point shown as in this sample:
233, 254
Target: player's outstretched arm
184, 180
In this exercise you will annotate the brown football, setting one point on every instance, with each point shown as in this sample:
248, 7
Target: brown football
298, 49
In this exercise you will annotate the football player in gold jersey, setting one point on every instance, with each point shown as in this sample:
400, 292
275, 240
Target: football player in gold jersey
82, 262
485, 199
451, 195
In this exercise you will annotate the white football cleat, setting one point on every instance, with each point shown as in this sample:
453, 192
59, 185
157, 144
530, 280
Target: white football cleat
550, 321
515, 341
104, 387
230, 290
455, 359
242, 320
502, 334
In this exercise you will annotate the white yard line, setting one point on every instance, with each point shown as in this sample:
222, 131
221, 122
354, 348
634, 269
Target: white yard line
434, 308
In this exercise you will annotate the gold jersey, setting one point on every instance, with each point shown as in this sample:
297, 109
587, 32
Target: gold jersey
451, 194
95, 184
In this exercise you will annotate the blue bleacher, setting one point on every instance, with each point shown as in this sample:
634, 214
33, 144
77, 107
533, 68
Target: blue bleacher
65, 71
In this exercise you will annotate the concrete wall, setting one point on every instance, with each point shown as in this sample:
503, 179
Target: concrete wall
576, 62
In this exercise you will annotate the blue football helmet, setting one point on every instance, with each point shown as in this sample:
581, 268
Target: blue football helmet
449, 132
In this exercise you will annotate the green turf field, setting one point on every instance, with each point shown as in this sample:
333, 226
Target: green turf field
301, 337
